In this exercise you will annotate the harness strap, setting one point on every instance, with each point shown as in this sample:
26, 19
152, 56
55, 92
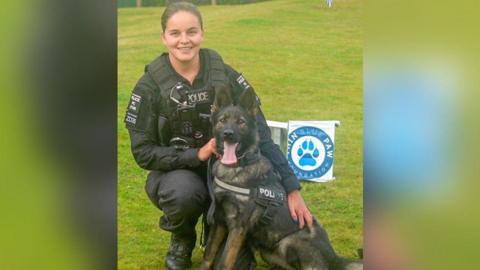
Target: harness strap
217, 68
211, 210
243, 191
161, 74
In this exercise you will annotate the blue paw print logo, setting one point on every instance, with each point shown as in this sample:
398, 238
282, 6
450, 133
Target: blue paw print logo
308, 153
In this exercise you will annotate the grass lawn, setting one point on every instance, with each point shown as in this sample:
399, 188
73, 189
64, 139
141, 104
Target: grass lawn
305, 63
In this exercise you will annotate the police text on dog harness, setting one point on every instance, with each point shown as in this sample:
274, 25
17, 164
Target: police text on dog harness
270, 194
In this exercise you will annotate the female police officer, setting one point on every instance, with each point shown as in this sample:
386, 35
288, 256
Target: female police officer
168, 122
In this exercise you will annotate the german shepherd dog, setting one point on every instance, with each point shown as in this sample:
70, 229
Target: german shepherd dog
251, 204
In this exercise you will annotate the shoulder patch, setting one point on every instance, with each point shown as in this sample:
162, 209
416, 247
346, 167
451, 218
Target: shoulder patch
243, 82
132, 110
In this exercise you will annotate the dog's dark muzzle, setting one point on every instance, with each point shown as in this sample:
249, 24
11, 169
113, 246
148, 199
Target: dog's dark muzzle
228, 134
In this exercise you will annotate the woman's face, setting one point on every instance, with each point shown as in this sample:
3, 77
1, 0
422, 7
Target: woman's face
183, 36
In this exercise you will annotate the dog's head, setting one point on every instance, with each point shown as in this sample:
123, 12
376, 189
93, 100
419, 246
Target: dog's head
234, 124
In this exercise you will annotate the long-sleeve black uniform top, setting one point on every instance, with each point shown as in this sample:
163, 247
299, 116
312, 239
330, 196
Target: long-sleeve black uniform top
150, 154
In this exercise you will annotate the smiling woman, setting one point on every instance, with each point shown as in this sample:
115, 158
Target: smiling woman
183, 35
168, 119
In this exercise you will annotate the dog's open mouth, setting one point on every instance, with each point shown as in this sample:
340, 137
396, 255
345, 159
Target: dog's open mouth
229, 156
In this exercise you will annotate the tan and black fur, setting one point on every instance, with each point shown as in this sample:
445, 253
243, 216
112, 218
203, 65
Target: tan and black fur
238, 218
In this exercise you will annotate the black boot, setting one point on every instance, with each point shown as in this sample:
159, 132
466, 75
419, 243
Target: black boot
180, 251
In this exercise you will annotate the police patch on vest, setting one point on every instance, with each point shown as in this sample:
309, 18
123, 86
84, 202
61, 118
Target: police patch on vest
132, 110
270, 194
198, 97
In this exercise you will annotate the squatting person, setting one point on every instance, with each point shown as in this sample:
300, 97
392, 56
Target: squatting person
168, 122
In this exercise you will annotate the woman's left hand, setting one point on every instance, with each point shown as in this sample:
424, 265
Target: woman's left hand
210, 148
298, 209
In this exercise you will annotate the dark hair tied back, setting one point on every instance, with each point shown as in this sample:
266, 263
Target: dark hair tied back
175, 7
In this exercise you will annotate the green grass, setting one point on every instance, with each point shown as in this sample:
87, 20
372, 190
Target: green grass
305, 63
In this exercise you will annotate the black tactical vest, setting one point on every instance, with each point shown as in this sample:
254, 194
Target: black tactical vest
164, 78
194, 123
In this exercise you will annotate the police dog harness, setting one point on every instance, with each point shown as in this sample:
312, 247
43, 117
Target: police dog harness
272, 198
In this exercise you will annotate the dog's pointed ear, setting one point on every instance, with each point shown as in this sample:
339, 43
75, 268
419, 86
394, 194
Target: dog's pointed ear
223, 98
248, 100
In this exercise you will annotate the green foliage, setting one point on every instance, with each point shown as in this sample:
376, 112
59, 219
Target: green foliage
305, 63
145, 3
152, 3
149, 3
125, 3
236, 2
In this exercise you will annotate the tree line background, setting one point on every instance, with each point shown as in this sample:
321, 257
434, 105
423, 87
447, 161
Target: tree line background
149, 3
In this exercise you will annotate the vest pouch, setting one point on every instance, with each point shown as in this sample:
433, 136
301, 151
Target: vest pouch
182, 142
186, 124
163, 131
202, 132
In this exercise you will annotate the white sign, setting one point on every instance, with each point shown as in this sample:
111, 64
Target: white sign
310, 149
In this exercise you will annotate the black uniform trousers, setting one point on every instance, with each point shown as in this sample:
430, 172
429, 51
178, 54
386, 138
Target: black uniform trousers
183, 197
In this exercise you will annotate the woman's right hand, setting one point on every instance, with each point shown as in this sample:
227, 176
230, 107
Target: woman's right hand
207, 150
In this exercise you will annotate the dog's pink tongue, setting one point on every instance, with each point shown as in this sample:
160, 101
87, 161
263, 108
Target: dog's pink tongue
229, 157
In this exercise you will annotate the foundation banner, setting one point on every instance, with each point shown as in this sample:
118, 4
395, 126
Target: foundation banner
310, 149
